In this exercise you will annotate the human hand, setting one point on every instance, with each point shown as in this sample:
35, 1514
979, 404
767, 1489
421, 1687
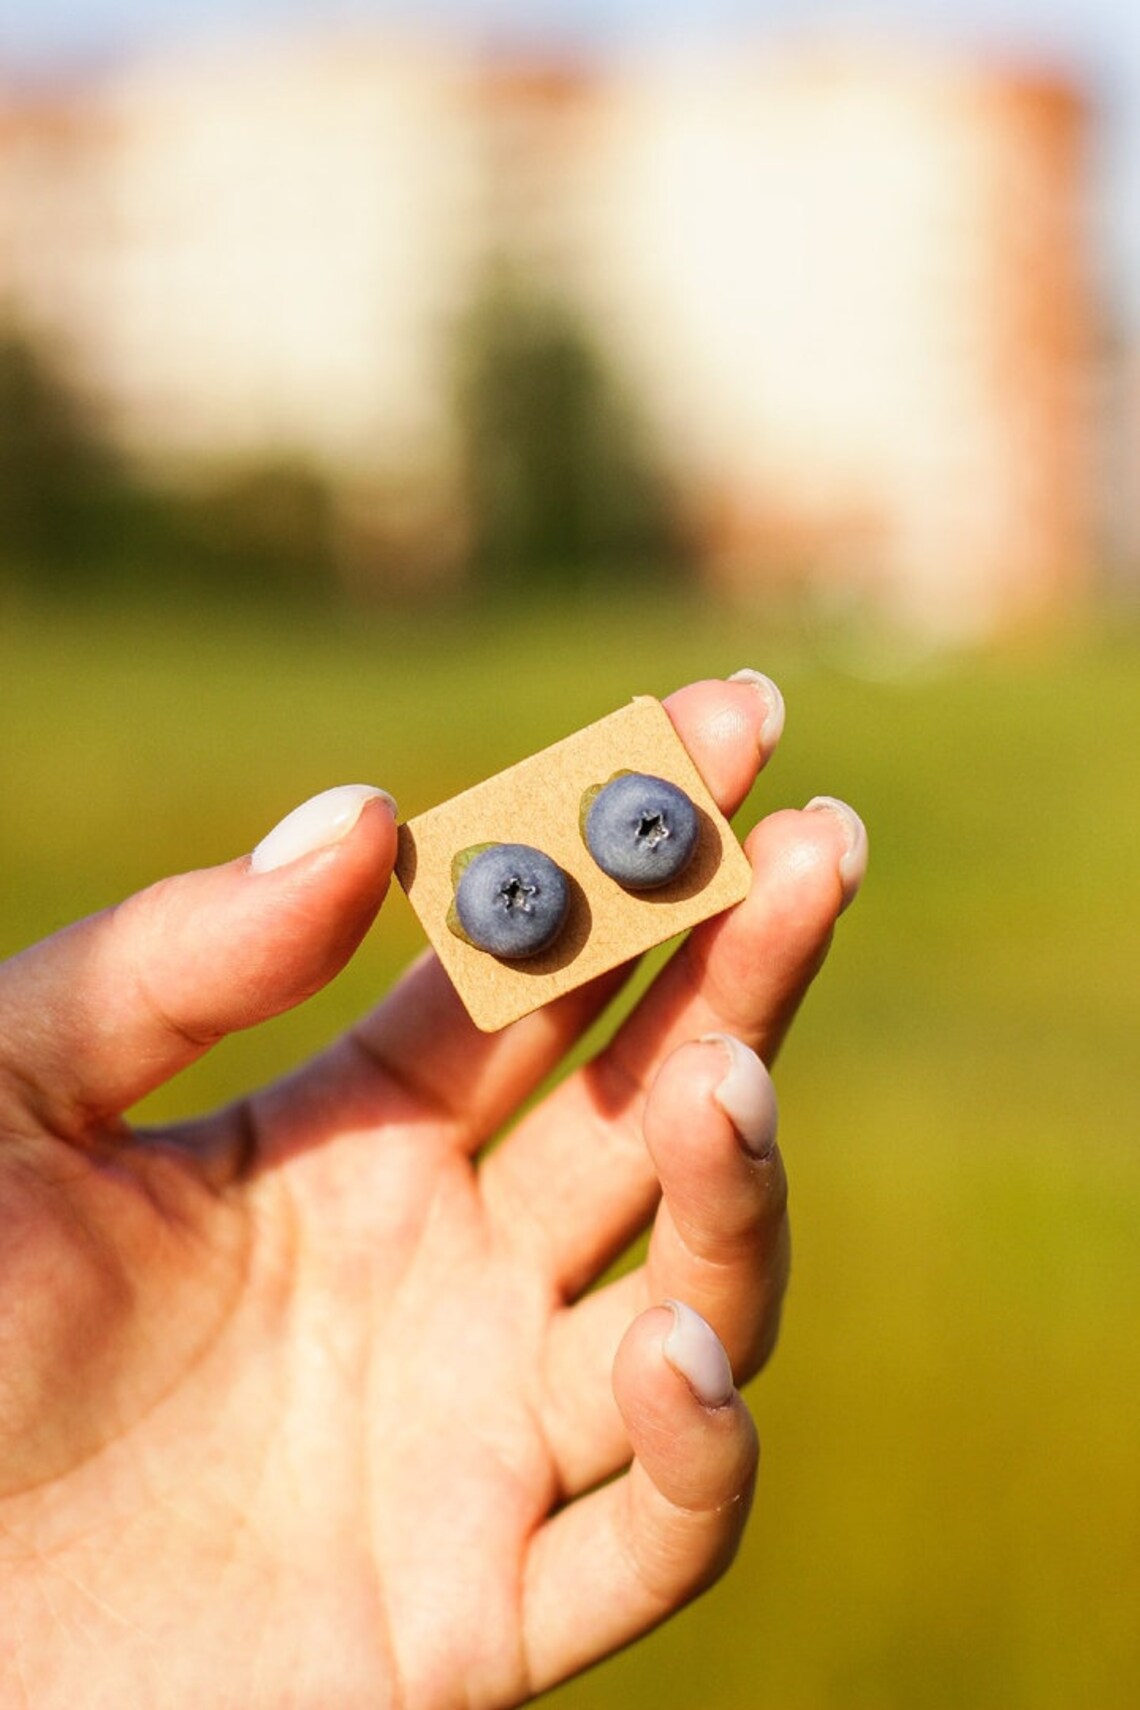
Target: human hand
307, 1403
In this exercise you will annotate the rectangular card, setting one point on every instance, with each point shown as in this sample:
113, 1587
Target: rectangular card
537, 802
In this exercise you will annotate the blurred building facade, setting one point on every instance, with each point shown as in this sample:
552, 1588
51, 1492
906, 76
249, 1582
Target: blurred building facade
876, 268
849, 290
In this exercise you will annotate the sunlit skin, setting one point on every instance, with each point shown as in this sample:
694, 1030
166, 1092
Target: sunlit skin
305, 1404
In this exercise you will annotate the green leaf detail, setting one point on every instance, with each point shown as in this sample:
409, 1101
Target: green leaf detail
464, 859
455, 926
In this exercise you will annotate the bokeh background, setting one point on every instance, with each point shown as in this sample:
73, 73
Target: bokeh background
385, 394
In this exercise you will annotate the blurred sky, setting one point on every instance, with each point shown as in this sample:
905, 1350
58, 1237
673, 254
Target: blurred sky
1099, 39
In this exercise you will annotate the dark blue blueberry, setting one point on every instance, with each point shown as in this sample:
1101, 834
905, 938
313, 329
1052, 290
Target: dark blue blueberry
511, 900
640, 830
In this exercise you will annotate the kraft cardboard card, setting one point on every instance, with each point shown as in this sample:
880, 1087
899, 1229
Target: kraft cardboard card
539, 803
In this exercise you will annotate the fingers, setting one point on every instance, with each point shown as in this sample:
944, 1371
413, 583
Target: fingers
746, 972
575, 1179
720, 1242
422, 1036
108, 1009
613, 1564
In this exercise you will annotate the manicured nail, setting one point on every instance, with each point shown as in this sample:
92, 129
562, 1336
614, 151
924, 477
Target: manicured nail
316, 824
853, 863
694, 1351
773, 727
746, 1095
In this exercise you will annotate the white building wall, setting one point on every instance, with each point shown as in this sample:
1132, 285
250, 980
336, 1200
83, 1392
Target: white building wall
851, 287
846, 287
280, 238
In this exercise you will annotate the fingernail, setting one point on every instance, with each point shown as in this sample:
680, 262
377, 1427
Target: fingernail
853, 863
773, 727
746, 1095
316, 824
694, 1351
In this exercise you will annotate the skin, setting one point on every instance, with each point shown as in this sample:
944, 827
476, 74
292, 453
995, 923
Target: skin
304, 1404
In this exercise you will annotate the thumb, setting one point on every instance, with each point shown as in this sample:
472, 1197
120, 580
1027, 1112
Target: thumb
99, 1015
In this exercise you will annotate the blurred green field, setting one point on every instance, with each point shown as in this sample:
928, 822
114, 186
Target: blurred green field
949, 1513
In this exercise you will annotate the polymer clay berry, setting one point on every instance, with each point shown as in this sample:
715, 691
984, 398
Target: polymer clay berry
510, 900
640, 830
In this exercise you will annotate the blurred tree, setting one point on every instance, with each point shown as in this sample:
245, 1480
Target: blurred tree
55, 474
268, 524
73, 512
562, 486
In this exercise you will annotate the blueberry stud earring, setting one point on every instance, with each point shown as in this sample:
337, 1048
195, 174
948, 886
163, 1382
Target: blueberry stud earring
640, 830
510, 900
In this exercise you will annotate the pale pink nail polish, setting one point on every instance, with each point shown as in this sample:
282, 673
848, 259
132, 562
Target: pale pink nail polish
746, 1095
317, 823
773, 726
853, 862
695, 1352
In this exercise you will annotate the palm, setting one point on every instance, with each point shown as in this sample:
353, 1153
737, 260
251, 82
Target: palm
293, 1396
304, 1380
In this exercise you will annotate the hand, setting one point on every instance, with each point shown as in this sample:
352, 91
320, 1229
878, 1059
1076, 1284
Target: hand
306, 1403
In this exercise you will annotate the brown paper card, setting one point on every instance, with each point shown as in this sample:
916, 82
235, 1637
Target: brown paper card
537, 802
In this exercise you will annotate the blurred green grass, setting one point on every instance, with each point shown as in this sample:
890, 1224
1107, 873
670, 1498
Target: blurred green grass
949, 1513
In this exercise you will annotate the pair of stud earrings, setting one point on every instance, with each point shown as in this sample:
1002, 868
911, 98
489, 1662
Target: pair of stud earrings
511, 900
